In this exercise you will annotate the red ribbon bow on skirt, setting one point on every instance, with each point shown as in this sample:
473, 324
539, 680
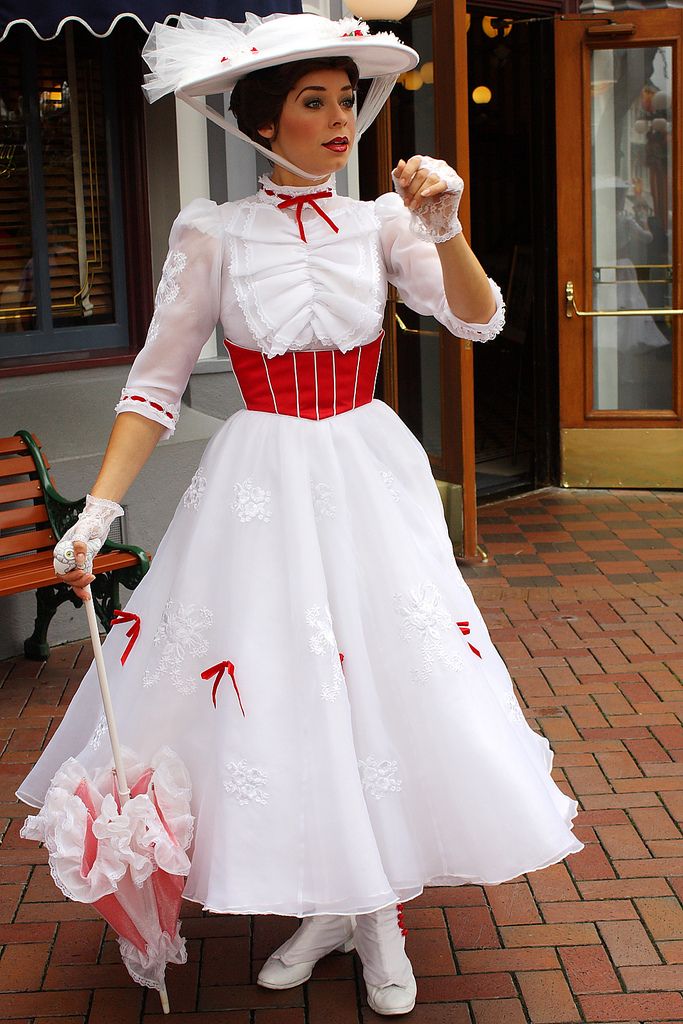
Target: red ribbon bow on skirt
133, 632
219, 671
465, 630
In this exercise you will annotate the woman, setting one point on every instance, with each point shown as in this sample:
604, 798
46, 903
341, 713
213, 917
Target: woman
371, 742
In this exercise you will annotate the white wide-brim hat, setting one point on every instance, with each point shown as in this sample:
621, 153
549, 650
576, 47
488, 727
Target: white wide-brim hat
204, 56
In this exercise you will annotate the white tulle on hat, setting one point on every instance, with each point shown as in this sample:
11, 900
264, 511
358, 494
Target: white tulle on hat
203, 56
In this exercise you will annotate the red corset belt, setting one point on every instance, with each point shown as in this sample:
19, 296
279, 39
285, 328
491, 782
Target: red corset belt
312, 385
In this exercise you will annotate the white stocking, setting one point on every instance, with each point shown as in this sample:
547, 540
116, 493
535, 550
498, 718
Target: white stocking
316, 937
380, 943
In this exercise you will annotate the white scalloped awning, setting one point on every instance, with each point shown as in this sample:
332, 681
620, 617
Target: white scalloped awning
101, 17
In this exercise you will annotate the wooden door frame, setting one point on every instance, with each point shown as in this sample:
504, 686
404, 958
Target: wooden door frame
455, 356
660, 27
457, 363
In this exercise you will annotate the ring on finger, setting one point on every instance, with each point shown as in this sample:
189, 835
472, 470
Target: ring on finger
419, 178
430, 187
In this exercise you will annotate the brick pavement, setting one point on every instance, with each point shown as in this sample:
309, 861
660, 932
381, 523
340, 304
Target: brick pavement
582, 594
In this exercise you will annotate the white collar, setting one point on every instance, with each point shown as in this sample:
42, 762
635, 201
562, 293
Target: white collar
266, 182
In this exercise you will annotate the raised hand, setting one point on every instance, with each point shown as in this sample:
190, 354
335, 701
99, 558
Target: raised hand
431, 190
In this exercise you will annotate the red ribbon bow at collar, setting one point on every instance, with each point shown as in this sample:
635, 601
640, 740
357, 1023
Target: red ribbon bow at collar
133, 632
465, 630
218, 671
300, 202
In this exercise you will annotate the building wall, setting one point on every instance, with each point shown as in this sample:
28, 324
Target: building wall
162, 176
600, 6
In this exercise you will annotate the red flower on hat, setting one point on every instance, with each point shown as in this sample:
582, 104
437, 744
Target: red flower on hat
253, 50
357, 32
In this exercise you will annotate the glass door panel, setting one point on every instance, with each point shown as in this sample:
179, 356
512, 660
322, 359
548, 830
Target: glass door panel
632, 143
419, 376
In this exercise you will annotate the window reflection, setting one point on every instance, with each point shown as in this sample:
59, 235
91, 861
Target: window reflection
632, 226
59, 129
75, 175
17, 303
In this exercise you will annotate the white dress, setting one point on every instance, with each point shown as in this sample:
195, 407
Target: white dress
322, 784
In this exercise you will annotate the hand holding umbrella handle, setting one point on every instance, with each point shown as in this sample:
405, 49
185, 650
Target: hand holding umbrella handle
91, 528
122, 782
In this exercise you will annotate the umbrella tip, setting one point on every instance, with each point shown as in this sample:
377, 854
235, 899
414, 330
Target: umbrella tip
163, 995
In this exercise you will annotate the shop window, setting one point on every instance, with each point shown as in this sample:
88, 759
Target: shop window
61, 260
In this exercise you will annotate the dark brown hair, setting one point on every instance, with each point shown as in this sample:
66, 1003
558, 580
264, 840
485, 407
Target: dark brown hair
259, 97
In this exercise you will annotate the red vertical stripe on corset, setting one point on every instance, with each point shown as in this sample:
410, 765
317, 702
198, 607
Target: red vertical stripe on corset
306, 374
281, 373
269, 383
367, 372
325, 366
346, 364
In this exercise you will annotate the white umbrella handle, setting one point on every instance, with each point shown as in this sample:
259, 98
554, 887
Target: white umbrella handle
122, 782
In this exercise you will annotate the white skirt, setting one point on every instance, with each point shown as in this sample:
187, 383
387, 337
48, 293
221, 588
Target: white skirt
371, 743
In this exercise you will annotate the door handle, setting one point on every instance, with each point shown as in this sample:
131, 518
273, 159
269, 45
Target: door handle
572, 310
413, 330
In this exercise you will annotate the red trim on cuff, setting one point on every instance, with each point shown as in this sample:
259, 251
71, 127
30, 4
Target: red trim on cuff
154, 405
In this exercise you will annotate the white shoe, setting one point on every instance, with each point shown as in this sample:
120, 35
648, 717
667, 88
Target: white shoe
388, 973
392, 999
292, 963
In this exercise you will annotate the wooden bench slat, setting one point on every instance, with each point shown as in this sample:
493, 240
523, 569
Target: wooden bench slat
24, 516
103, 563
17, 464
17, 492
12, 444
37, 441
32, 540
41, 573
19, 561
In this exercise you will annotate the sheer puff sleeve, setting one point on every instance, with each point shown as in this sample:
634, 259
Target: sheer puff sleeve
413, 266
186, 309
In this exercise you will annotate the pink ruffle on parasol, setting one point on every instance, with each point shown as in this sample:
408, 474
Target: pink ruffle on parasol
123, 850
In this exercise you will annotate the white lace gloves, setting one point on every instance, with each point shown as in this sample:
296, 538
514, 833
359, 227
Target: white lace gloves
91, 527
435, 218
